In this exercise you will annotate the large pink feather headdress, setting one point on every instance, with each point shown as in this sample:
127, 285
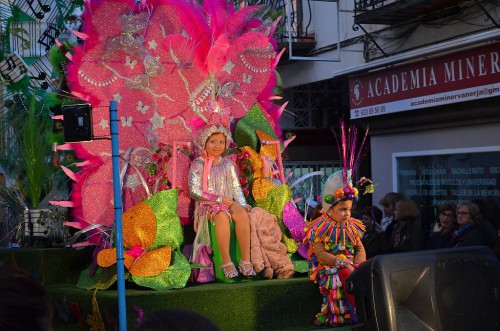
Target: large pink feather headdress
175, 68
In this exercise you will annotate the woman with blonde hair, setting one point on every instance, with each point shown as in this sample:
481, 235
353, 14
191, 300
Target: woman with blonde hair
469, 231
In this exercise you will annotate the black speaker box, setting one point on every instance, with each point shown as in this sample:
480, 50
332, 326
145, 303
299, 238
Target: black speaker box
447, 289
77, 123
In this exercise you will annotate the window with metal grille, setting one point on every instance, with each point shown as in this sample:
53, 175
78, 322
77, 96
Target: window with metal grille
312, 106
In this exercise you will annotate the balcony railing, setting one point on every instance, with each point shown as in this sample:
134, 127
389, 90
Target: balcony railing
391, 12
311, 187
300, 18
367, 5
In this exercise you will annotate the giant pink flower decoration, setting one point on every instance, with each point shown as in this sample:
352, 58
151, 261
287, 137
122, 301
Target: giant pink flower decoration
164, 62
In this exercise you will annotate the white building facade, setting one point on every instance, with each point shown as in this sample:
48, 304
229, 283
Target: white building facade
423, 74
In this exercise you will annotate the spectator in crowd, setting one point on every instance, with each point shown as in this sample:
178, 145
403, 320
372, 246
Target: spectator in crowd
407, 235
442, 234
388, 202
487, 228
176, 320
494, 211
469, 232
314, 209
24, 306
373, 239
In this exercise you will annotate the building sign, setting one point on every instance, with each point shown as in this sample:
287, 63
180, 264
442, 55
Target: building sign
469, 75
434, 178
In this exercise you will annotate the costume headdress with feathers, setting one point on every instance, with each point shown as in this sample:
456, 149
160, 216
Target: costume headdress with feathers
339, 185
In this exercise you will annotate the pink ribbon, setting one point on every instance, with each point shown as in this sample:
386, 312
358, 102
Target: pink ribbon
136, 251
206, 170
218, 207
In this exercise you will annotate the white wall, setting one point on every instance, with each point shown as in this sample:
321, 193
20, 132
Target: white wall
324, 21
324, 26
304, 72
383, 147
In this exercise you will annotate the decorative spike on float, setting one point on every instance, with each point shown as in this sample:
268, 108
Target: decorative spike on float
69, 173
66, 204
80, 35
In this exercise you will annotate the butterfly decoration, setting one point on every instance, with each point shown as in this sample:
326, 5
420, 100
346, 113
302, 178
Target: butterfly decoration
247, 78
142, 107
129, 63
126, 121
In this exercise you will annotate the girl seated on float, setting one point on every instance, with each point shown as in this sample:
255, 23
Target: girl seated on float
215, 187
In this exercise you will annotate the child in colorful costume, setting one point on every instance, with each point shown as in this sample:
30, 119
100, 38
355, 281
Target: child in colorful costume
215, 186
335, 248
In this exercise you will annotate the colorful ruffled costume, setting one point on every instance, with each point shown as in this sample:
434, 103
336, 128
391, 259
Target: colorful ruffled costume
343, 240
335, 246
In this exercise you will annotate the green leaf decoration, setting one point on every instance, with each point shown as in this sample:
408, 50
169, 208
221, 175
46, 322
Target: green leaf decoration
245, 130
168, 225
34, 151
176, 276
300, 266
21, 33
102, 279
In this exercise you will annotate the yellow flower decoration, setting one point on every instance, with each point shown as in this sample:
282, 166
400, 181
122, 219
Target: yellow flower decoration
268, 150
139, 233
261, 185
370, 188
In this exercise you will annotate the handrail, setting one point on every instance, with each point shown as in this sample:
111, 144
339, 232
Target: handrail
312, 187
367, 5
299, 20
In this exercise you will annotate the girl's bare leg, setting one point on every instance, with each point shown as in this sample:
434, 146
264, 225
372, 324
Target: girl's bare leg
240, 217
223, 235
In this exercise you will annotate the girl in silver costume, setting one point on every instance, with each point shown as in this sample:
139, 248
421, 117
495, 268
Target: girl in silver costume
215, 187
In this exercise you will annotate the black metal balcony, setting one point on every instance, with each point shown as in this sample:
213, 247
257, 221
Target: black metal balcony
300, 23
366, 5
391, 12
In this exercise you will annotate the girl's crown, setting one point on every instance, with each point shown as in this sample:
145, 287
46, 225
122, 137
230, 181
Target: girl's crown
218, 121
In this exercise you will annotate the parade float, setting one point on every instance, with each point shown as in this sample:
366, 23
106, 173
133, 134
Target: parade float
170, 67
